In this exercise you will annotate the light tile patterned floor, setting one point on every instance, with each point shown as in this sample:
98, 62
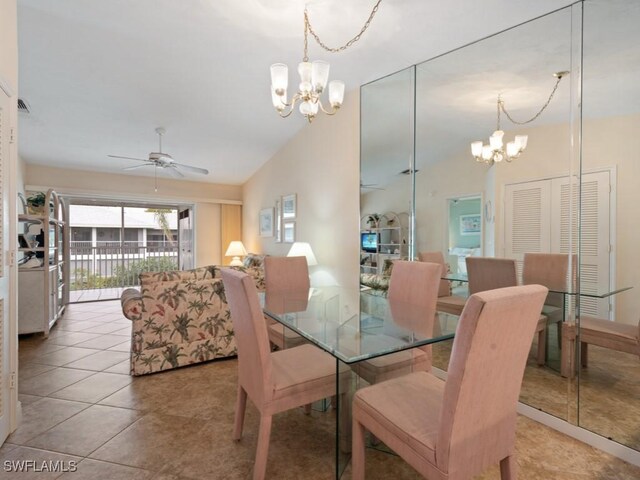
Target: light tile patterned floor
80, 404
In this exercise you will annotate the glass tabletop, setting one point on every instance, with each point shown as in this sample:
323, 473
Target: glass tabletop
462, 277
355, 325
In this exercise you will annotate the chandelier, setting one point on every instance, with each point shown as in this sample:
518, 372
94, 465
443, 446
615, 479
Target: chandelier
495, 151
313, 78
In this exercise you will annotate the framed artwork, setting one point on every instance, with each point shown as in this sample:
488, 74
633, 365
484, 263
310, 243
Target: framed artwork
278, 221
289, 207
470, 224
265, 222
288, 231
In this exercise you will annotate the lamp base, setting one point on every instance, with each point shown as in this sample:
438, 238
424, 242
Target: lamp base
236, 262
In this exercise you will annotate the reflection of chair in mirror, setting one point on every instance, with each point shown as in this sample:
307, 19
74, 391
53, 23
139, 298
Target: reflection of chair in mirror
487, 273
550, 270
412, 299
456, 429
447, 303
597, 331
285, 277
275, 382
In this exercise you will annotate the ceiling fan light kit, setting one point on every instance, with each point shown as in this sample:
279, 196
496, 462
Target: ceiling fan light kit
163, 161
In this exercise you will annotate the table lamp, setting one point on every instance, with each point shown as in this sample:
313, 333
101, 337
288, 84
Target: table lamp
303, 249
236, 250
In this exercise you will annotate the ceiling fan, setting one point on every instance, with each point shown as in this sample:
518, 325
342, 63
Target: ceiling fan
163, 160
370, 186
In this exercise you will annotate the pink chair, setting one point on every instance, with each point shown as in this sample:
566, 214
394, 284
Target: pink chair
487, 273
412, 284
455, 430
276, 381
447, 303
285, 277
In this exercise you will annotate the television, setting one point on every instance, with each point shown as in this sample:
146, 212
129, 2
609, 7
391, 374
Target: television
369, 242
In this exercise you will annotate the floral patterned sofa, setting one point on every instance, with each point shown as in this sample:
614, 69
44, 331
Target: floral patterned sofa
180, 318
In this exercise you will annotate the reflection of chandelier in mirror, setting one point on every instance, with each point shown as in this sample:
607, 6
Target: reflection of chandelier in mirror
313, 78
495, 151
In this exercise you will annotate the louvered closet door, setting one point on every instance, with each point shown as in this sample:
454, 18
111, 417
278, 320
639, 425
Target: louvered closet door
527, 220
4, 270
594, 233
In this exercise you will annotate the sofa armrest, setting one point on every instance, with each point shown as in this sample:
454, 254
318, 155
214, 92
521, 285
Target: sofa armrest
131, 301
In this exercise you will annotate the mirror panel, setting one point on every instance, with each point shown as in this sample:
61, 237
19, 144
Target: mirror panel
609, 385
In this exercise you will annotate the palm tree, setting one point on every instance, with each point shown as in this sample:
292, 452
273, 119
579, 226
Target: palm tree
160, 215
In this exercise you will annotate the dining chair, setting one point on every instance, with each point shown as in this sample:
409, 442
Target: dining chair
550, 270
412, 284
447, 303
456, 429
285, 277
274, 381
487, 273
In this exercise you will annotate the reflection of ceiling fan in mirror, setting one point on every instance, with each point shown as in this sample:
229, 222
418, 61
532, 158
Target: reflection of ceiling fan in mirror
163, 160
370, 186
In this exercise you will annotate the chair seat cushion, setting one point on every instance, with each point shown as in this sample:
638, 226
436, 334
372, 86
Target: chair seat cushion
452, 304
407, 361
302, 368
406, 407
610, 330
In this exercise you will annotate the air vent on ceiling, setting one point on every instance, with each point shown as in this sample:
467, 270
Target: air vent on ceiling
408, 171
23, 106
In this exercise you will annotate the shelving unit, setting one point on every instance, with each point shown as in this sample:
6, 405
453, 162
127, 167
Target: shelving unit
43, 292
391, 230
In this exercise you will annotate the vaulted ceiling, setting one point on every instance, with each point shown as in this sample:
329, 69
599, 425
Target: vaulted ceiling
100, 76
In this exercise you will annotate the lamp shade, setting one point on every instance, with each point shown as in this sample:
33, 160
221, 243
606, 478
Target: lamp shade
336, 93
279, 76
303, 249
235, 249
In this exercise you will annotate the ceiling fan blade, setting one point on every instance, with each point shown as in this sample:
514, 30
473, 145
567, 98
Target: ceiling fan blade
139, 166
173, 172
189, 168
129, 158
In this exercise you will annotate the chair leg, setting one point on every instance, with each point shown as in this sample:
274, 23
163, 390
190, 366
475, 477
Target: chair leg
262, 451
509, 468
241, 406
584, 354
357, 451
568, 353
307, 409
542, 346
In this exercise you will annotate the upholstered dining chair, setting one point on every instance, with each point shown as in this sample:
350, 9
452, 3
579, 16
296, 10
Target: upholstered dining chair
447, 303
486, 273
285, 276
550, 270
456, 429
274, 381
412, 284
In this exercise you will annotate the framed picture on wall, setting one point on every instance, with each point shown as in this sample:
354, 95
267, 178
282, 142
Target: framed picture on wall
278, 221
289, 207
288, 232
470, 224
265, 222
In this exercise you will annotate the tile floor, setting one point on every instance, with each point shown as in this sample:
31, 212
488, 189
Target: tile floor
80, 404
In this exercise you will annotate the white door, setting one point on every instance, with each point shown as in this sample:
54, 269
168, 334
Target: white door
4, 269
185, 238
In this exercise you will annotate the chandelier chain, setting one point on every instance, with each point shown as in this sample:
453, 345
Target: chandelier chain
501, 107
309, 29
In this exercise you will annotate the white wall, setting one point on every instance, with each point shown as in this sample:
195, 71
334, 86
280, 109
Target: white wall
206, 197
321, 164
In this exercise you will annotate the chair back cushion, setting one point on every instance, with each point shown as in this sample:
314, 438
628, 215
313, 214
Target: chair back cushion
548, 269
415, 283
250, 329
487, 273
444, 290
286, 275
493, 339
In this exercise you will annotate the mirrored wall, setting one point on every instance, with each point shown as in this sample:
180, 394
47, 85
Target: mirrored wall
569, 191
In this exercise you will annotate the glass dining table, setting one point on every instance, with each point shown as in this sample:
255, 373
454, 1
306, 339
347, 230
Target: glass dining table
355, 325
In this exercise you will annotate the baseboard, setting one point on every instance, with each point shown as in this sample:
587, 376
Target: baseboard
585, 436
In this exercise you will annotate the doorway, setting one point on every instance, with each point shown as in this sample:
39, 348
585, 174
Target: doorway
464, 232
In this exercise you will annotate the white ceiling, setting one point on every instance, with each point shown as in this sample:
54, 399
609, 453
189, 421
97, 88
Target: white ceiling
101, 75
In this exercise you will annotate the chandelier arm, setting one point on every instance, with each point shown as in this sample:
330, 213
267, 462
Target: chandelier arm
501, 106
310, 29
333, 110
